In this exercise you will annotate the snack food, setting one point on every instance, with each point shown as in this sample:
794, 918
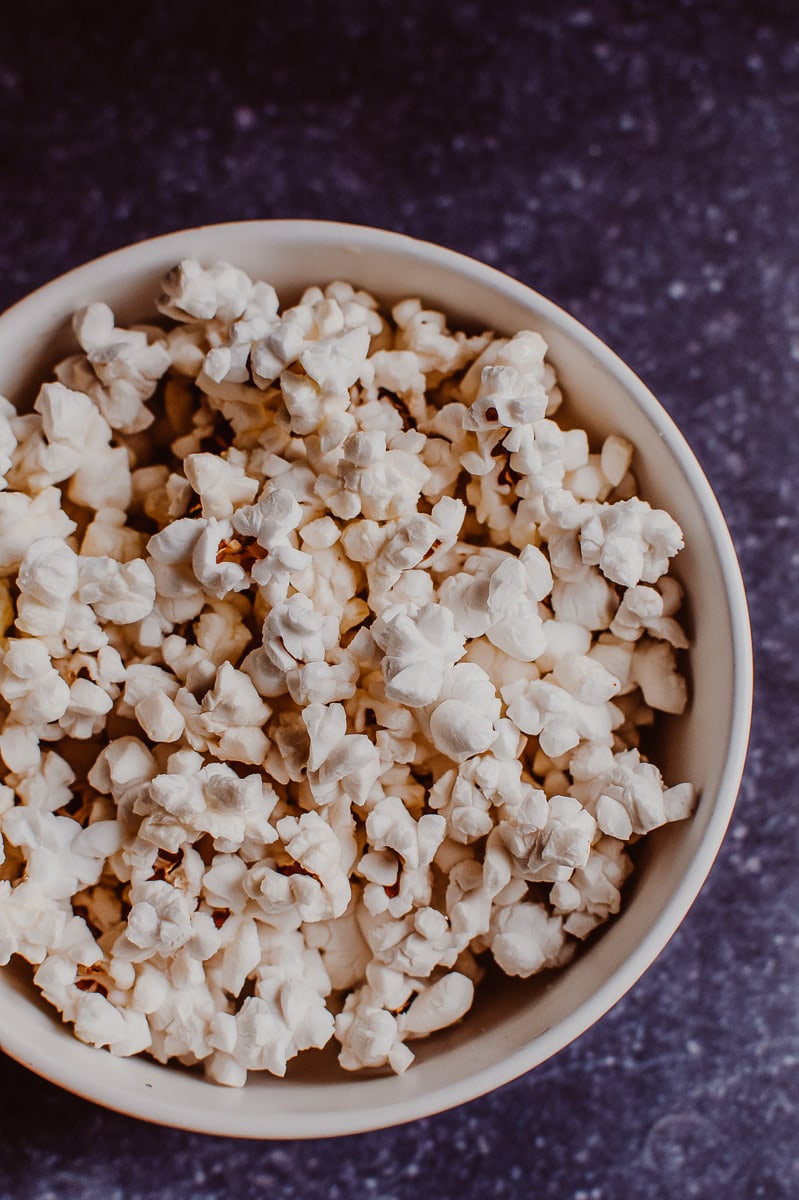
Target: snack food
367, 641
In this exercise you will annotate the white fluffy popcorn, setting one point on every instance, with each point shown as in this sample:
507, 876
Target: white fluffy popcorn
120, 370
419, 648
29, 683
355, 649
23, 520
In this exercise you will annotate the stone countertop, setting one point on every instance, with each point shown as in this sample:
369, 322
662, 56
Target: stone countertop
636, 162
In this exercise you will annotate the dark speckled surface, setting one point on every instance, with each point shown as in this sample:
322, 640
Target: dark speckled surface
637, 161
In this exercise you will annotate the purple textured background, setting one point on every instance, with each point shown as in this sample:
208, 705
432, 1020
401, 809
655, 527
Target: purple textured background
637, 162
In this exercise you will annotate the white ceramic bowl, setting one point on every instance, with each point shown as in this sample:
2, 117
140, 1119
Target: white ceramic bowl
517, 1025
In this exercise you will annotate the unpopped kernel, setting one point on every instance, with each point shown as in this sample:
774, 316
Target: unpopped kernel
327, 691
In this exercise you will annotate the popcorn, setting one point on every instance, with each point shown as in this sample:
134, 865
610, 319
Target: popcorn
654, 669
390, 826
411, 541
190, 290
159, 922
336, 361
370, 1035
343, 950
123, 770
460, 728
428, 944
24, 520
70, 440
31, 921
295, 633
313, 845
270, 1031
350, 770
118, 592
214, 560
87, 709
101, 1023
190, 800
362, 644
101, 478
465, 797
221, 485
498, 596
8, 439
108, 535
548, 850
630, 541
47, 580
629, 797
181, 1026
227, 721
425, 333
61, 857
652, 610
440, 1005
506, 397
30, 685
559, 717
593, 892
418, 650
264, 531
524, 939
473, 887
382, 483
121, 368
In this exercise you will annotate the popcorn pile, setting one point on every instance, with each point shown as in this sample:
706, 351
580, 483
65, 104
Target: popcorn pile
325, 657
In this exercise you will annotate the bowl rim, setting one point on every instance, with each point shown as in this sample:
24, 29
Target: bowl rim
151, 1107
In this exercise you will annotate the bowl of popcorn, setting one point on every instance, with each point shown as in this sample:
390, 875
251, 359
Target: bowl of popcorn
375, 679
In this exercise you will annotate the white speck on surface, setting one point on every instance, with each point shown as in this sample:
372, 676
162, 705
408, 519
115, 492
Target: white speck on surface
244, 117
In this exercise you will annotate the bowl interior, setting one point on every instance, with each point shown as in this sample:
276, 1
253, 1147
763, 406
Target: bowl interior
513, 1025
